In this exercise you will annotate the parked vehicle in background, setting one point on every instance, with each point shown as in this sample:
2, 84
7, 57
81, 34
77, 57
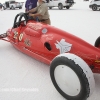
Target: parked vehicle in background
60, 3
12, 5
95, 5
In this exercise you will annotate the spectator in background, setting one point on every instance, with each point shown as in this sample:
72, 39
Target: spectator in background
1, 6
30, 4
41, 12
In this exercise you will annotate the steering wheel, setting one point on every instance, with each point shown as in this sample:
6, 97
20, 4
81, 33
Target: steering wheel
20, 15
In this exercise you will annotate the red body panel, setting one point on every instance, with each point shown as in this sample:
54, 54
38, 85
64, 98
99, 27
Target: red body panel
35, 39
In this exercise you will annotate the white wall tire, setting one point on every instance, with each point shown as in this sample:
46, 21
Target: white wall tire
72, 77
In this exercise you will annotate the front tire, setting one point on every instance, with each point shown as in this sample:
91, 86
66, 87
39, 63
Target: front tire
72, 77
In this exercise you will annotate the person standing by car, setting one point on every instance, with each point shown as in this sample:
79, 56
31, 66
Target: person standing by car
30, 4
41, 12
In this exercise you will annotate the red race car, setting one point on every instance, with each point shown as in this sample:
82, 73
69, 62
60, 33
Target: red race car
72, 60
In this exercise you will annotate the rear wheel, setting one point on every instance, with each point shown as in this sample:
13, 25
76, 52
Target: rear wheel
60, 6
72, 77
97, 42
67, 7
94, 7
20, 7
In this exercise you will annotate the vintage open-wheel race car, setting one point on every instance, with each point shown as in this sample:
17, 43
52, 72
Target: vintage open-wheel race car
72, 61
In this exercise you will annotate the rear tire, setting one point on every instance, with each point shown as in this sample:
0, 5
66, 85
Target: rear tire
67, 7
94, 7
97, 42
72, 77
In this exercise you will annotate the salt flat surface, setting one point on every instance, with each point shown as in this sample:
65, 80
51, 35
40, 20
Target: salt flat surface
19, 72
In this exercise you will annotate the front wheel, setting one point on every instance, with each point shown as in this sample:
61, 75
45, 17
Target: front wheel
72, 77
97, 42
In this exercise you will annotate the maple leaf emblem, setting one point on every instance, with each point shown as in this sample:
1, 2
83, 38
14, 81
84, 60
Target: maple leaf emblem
63, 46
